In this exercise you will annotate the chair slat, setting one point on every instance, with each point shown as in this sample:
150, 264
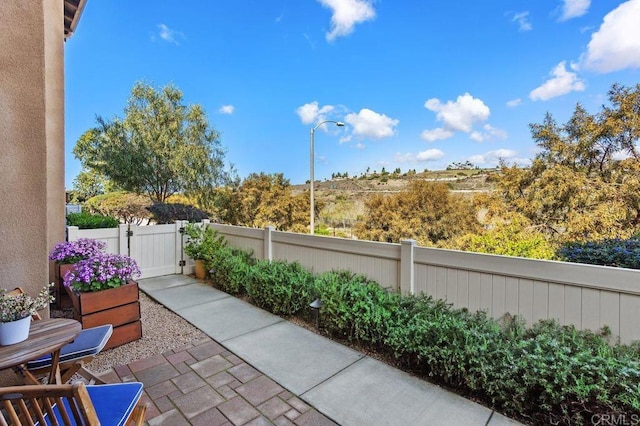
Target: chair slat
70, 404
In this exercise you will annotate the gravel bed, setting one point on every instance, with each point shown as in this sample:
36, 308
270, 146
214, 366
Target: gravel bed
162, 330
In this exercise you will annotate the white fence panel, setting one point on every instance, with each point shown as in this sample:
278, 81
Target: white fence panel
587, 296
249, 239
110, 236
378, 261
154, 249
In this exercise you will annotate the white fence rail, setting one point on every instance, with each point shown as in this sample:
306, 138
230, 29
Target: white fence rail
586, 296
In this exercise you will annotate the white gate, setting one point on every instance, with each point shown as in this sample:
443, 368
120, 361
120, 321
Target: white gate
157, 248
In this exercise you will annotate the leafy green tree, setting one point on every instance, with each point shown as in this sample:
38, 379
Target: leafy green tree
424, 211
159, 148
266, 199
89, 183
577, 189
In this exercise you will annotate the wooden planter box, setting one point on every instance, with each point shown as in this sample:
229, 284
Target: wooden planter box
62, 299
119, 307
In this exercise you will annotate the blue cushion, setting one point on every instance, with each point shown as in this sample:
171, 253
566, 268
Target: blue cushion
113, 402
89, 342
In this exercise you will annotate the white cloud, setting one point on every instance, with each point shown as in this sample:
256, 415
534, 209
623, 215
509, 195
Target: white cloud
311, 112
492, 158
522, 18
360, 145
574, 8
436, 134
168, 34
616, 44
430, 155
461, 114
489, 133
421, 157
561, 83
346, 14
370, 123
514, 102
227, 109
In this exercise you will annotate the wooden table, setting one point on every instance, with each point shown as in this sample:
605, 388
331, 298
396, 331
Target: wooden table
45, 337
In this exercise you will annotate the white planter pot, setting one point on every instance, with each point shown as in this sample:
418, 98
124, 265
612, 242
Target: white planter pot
14, 331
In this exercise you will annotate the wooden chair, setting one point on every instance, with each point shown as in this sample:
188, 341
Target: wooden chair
72, 404
73, 356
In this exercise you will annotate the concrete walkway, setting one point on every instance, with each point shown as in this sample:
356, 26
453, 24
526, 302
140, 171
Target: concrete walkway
342, 384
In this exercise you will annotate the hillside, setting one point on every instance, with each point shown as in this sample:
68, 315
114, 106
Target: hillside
342, 199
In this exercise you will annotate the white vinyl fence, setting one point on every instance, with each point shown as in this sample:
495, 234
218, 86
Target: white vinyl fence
586, 296
157, 249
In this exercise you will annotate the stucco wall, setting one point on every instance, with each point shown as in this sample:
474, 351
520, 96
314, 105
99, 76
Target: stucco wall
31, 140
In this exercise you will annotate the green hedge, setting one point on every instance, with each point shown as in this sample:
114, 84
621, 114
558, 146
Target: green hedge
280, 287
91, 221
544, 374
230, 269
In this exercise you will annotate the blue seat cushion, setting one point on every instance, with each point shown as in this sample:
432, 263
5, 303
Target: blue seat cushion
89, 342
113, 402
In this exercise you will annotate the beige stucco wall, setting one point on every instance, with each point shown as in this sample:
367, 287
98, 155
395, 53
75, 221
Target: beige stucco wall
31, 140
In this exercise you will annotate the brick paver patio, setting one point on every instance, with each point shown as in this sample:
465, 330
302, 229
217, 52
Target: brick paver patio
205, 384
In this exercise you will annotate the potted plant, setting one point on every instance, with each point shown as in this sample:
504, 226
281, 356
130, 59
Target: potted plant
16, 312
201, 246
103, 291
65, 254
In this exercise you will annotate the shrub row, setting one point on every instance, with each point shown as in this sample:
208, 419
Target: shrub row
544, 374
611, 252
91, 221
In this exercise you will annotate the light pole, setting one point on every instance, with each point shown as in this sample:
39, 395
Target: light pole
311, 161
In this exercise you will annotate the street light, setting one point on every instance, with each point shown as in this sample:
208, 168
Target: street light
337, 123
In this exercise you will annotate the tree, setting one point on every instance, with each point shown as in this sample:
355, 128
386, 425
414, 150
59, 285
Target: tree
125, 206
87, 184
159, 148
266, 199
576, 188
424, 211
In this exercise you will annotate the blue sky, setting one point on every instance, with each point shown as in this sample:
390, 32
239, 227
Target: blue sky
419, 84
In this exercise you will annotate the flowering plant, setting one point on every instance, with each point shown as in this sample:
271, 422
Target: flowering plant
73, 251
14, 308
100, 272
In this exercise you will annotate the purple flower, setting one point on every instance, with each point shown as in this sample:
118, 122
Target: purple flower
100, 272
73, 251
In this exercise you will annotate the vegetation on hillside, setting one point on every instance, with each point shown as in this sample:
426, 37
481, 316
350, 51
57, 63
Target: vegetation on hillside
265, 199
425, 211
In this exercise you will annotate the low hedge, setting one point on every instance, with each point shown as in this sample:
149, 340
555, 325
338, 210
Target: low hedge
230, 269
280, 287
544, 374
91, 221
